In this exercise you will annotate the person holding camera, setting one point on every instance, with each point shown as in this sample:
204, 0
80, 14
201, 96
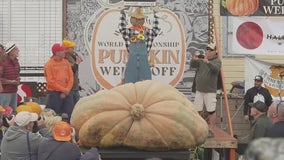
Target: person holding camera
20, 142
207, 72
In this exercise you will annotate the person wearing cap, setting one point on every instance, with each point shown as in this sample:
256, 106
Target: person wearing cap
59, 147
207, 72
20, 142
276, 114
138, 41
59, 80
256, 93
261, 122
10, 76
74, 60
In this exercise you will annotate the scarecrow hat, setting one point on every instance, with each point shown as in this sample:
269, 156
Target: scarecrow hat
138, 13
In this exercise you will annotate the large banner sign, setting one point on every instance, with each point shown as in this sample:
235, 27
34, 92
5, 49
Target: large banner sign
252, 7
256, 35
109, 54
273, 76
93, 25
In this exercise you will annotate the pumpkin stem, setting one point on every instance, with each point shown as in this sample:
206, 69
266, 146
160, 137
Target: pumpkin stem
137, 111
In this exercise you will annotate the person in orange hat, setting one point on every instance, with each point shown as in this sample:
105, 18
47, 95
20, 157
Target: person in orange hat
138, 41
59, 79
74, 60
60, 146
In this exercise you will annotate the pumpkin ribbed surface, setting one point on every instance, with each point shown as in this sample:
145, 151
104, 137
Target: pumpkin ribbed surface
242, 7
146, 115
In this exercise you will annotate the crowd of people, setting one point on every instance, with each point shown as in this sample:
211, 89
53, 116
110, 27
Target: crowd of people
41, 134
27, 131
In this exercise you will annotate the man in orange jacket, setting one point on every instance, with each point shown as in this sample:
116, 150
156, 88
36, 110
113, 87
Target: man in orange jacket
59, 78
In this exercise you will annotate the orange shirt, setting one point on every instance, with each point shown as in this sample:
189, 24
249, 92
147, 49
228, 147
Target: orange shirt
58, 75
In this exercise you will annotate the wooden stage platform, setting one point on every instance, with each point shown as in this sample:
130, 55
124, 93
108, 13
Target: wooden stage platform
222, 142
221, 139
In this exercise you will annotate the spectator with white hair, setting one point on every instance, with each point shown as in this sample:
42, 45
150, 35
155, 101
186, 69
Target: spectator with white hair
265, 149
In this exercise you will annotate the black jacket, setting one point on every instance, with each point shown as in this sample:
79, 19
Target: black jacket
251, 97
55, 150
277, 130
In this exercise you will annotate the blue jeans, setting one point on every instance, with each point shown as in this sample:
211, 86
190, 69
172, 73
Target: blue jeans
75, 96
8, 99
58, 104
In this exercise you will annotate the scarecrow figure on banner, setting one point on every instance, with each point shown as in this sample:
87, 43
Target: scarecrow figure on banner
138, 41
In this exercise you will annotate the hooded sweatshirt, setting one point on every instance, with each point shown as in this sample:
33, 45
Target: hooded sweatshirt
14, 145
207, 74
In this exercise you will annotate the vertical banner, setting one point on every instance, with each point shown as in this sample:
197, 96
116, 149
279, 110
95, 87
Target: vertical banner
272, 76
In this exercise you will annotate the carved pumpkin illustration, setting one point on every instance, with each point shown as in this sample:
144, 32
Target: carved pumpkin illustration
275, 71
242, 7
147, 115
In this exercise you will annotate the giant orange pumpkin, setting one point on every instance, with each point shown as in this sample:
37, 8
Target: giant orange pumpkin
242, 7
147, 115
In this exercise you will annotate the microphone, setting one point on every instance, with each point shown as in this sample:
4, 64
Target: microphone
76, 55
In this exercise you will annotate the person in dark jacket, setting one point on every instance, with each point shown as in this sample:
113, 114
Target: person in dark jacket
19, 140
277, 129
256, 93
261, 122
60, 147
91, 154
75, 61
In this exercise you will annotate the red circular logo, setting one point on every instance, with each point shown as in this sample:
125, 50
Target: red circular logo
249, 35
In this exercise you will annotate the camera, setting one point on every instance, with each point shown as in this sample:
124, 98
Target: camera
4, 119
201, 56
